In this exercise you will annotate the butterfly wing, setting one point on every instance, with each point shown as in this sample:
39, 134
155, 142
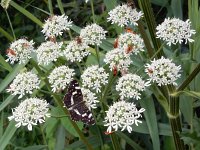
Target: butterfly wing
82, 113
74, 95
73, 100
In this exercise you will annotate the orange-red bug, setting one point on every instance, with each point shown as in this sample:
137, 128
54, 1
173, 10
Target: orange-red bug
115, 43
11, 52
129, 30
115, 70
129, 49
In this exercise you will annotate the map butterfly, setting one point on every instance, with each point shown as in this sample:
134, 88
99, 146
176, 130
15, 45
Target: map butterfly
73, 100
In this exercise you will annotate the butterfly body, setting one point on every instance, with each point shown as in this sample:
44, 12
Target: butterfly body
78, 110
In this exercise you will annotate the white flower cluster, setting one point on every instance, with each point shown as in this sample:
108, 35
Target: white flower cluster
122, 115
116, 58
94, 78
24, 83
174, 31
124, 15
130, 86
55, 25
90, 98
76, 51
20, 50
30, 112
131, 43
60, 77
163, 71
93, 34
48, 52
5, 3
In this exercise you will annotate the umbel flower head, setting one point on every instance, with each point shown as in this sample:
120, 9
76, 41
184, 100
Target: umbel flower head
89, 98
20, 50
48, 52
55, 25
163, 71
123, 15
30, 112
5, 3
60, 77
116, 58
131, 43
130, 86
93, 34
174, 31
76, 50
94, 78
24, 83
122, 115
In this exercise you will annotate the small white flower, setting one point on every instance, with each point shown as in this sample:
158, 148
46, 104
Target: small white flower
130, 86
86, 1
124, 15
5, 3
24, 83
163, 71
76, 51
116, 58
174, 31
90, 98
94, 78
30, 112
55, 25
131, 43
48, 52
93, 34
122, 115
20, 50
60, 77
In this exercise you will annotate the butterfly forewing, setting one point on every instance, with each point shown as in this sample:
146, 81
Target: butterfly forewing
73, 100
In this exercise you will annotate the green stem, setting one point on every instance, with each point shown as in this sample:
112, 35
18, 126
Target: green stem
60, 104
92, 7
189, 78
50, 7
43, 136
10, 24
97, 53
60, 5
79, 66
174, 118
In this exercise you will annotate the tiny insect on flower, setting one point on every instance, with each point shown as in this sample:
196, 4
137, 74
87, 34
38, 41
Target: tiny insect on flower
115, 70
129, 30
78, 40
52, 39
10, 52
115, 45
131, 4
129, 49
150, 71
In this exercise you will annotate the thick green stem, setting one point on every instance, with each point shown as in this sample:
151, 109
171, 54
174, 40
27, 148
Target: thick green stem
174, 118
50, 7
97, 53
189, 78
60, 104
92, 8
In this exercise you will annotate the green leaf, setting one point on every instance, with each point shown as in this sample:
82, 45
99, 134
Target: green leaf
60, 138
26, 13
188, 93
6, 34
8, 134
6, 102
35, 147
177, 8
5, 64
11, 76
110, 4
150, 116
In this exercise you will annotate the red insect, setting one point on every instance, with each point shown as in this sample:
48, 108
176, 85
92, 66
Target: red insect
78, 40
129, 30
129, 49
11, 52
115, 43
115, 70
108, 133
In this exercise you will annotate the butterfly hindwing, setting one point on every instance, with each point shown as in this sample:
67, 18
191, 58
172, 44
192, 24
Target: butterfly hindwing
73, 100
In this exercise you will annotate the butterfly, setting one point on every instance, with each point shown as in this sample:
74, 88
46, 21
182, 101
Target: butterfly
78, 110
